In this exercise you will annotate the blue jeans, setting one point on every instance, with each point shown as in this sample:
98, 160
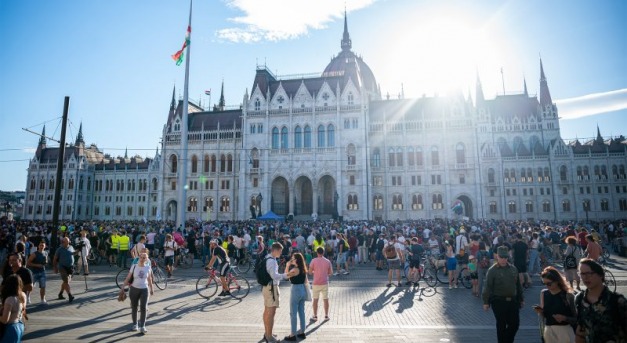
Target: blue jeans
206, 255
297, 307
533, 260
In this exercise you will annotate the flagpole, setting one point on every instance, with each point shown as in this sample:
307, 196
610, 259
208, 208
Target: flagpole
182, 184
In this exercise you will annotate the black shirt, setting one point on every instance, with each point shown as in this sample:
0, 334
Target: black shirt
297, 279
23, 273
520, 252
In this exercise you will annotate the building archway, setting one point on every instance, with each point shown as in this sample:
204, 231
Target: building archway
171, 210
280, 195
303, 192
467, 206
326, 196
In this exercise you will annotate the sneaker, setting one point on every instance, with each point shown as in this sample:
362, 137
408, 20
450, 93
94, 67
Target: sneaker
450, 286
222, 294
143, 329
455, 286
408, 283
28, 301
44, 302
345, 272
134, 328
70, 298
389, 285
336, 274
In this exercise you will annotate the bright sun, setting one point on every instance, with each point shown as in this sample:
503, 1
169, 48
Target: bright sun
442, 55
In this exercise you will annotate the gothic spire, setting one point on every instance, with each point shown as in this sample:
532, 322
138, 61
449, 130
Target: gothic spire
173, 103
346, 39
525, 86
42, 138
599, 137
79, 137
545, 95
479, 92
221, 104
126, 153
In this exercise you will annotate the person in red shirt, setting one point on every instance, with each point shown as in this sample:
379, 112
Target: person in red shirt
581, 236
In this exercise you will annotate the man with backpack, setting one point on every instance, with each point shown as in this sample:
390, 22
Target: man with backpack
394, 257
267, 272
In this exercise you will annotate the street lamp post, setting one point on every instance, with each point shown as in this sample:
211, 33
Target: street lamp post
259, 199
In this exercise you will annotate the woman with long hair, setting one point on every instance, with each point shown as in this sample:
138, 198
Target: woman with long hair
13, 309
139, 290
557, 306
296, 271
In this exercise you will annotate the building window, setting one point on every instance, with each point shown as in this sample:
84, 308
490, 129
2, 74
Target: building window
257, 104
436, 202
351, 180
605, 205
416, 202
528, 206
284, 138
377, 180
512, 206
565, 205
416, 180
563, 173
493, 207
351, 99
491, 175
435, 157
225, 204
192, 205
307, 137
460, 153
391, 158
376, 158
275, 138
173, 163
397, 202
298, 137
377, 202
419, 157
546, 206
321, 136
399, 157
353, 204
622, 204
462, 179
330, 136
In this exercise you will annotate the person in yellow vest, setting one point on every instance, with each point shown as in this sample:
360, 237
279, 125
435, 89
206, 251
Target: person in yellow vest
112, 247
123, 247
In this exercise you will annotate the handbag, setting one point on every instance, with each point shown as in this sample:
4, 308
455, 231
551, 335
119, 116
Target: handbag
308, 295
121, 295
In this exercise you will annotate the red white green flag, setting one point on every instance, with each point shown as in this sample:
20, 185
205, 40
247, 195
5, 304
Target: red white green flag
178, 56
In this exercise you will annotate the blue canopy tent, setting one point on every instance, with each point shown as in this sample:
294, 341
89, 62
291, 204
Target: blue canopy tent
270, 216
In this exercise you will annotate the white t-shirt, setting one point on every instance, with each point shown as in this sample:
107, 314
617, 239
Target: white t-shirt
140, 275
169, 252
426, 233
150, 238
247, 239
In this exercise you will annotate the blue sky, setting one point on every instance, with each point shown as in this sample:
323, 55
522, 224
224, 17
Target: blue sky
113, 59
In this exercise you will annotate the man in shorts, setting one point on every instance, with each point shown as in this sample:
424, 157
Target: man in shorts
321, 268
270, 292
169, 247
63, 263
394, 256
219, 254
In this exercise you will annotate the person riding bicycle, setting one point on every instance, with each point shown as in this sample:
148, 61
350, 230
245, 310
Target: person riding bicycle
219, 254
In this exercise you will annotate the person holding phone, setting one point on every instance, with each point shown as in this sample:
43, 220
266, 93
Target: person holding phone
557, 307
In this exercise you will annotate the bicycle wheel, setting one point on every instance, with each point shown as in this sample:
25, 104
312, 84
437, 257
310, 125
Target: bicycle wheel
159, 278
120, 277
186, 261
442, 275
243, 266
610, 281
428, 291
429, 276
238, 287
206, 286
464, 276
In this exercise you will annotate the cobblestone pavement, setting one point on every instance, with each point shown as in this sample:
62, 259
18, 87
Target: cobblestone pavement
362, 310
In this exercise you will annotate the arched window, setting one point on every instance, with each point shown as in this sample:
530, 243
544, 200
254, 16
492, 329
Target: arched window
330, 136
511, 206
566, 205
460, 153
377, 202
213, 163
173, 163
436, 202
529, 175
523, 175
491, 175
376, 157
399, 157
528, 206
321, 136
284, 138
419, 157
563, 173
275, 138
257, 104
546, 206
205, 167
506, 175
493, 208
229, 163
298, 137
397, 202
192, 205
208, 206
351, 153
353, 204
603, 172
605, 205
416, 202
411, 157
80, 183
435, 156
307, 137
70, 183
547, 175
194, 164
88, 183
391, 158
351, 98
225, 204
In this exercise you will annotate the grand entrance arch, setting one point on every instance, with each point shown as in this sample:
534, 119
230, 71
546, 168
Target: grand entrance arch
279, 203
303, 193
467, 206
326, 196
170, 210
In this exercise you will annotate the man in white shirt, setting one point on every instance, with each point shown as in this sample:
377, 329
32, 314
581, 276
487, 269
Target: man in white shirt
426, 233
270, 292
461, 241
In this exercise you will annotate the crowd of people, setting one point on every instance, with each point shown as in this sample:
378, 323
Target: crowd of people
312, 248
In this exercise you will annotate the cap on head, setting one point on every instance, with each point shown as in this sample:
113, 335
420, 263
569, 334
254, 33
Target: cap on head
213, 241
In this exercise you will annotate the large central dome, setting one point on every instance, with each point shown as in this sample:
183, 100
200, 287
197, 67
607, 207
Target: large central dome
350, 66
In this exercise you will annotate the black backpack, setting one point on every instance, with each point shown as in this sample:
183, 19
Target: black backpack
570, 262
261, 272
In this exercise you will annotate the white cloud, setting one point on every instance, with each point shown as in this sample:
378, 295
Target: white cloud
274, 20
591, 104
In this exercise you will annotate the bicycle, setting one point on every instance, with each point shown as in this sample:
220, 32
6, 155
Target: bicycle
94, 257
610, 280
207, 285
426, 291
244, 264
159, 278
186, 260
426, 272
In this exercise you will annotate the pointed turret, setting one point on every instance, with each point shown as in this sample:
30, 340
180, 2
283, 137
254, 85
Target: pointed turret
173, 103
222, 102
525, 86
346, 39
545, 95
79, 137
599, 137
479, 92
42, 138
126, 153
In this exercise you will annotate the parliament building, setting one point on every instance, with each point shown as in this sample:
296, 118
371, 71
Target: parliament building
331, 145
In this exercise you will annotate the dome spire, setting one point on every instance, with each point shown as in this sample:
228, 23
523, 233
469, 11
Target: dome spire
346, 39
545, 95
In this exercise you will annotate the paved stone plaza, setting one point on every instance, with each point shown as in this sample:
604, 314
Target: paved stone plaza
362, 310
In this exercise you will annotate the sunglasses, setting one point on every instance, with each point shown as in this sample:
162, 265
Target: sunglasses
549, 284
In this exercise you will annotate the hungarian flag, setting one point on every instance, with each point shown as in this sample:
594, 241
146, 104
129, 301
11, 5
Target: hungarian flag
178, 56
208, 92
